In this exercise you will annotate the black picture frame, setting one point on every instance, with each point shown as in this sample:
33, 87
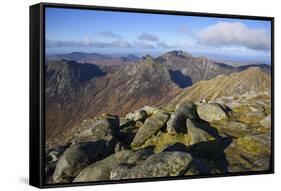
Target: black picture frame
37, 87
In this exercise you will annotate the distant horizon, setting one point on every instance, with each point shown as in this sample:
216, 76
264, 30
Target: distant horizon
116, 33
156, 54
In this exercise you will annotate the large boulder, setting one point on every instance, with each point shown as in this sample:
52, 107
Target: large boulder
196, 133
211, 112
102, 170
78, 156
150, 127
184, 110
94, 143
158, 165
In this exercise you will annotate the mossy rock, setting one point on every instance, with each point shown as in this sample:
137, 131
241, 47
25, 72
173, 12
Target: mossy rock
164, 139
267, 110
242, 109
252, 117
252, 146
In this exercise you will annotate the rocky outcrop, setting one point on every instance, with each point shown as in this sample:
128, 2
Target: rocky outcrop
231, 134
150, 127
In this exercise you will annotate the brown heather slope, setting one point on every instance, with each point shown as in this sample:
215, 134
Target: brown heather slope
71, 100
252, 79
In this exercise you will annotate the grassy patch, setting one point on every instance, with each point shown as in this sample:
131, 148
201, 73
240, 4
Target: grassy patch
164, 139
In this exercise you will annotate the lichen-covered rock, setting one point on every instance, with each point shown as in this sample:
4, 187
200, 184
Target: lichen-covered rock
78, 156
233, 128
158, 165
211, 112
252, 117
103, 169
266, 122
150, 127
184, 110
255, 144
197, 134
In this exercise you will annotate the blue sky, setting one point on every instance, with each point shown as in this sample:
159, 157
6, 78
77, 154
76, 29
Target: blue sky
69, 30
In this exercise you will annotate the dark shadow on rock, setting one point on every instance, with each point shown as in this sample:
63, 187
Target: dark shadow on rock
149, 148
175, 147
127, 124
85, 71
227, 109
212, 151
180, 79
206, 126
127, 134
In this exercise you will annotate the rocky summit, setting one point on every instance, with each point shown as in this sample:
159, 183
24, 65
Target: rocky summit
207, 138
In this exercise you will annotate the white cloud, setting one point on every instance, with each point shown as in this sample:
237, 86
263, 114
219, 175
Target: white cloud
88, 42
143, 44
148, 37
231, 34
144, 41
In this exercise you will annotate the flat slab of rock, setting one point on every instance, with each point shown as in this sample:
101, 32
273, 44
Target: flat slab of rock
102, 170
211, 112
158, 165
150, 127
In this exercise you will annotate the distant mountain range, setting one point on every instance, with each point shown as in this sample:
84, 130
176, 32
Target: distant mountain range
76, 91
94, 58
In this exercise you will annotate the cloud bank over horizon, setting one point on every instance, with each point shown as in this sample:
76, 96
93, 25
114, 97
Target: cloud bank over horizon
220, 35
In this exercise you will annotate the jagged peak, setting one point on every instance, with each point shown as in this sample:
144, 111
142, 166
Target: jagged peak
147, 58
178, 53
